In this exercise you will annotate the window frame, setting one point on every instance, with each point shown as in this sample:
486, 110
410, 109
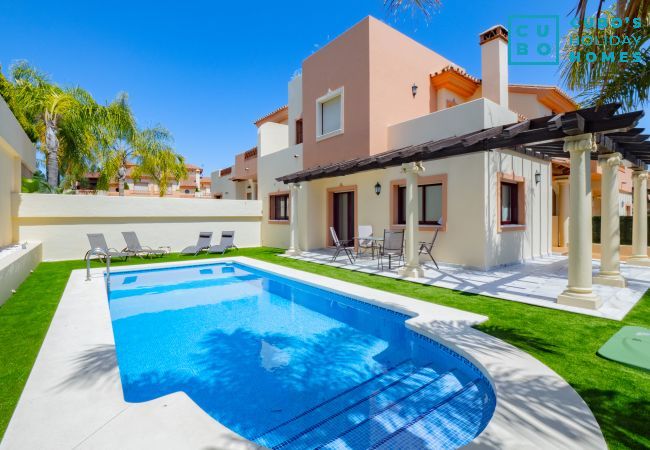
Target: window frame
332, 94
422, 197
439, 179
273, 198
517, 201
299, 138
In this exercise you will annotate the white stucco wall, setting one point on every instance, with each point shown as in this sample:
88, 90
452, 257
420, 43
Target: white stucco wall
507, 247
61, 222
271, 137
15, 150
16, 266
455, 121
528, 105
295, 106
223, 185
272, 166
463, 242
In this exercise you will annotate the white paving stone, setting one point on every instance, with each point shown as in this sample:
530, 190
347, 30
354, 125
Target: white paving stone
536, 282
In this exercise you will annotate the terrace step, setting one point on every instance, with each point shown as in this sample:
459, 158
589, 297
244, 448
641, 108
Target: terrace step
319, 424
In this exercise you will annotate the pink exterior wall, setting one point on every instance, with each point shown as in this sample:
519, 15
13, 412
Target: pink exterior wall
342, 62
239, 171
376, 65
396, 62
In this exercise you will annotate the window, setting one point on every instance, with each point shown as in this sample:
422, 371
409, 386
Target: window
509, 201
329, 114
298, 131
429, 206
279, 207
511, 209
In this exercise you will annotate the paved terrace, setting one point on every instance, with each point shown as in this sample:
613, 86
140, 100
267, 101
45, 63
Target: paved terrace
536, 282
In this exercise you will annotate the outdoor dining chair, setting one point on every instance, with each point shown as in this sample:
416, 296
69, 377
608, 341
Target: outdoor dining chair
341, 246
133, 246
427, 247
391, 248
365, 241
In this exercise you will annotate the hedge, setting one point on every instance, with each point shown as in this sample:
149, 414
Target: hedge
626, 230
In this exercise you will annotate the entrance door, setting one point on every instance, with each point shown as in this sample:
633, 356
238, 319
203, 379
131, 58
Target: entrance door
343, 215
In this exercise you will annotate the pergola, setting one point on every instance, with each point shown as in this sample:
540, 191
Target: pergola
590, 133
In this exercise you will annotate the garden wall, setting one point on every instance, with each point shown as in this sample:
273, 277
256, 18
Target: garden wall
61, 222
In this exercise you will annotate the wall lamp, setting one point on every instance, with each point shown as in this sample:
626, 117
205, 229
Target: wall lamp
377, 188
414, 89
538, 177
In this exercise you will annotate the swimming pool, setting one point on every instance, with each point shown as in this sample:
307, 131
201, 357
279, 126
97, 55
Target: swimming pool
288, 365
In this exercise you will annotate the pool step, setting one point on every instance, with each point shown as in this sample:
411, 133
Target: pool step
427, 423
320, 424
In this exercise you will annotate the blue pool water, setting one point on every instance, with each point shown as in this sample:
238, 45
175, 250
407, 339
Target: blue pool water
291, 366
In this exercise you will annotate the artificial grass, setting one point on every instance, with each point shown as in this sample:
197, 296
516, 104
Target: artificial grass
619, 396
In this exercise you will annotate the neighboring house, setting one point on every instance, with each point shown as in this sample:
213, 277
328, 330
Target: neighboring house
239, 182
193, 186
373, 90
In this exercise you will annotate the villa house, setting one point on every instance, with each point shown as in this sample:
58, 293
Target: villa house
192, 186
373, 89
382, 131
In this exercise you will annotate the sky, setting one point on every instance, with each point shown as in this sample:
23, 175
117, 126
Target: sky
206, 70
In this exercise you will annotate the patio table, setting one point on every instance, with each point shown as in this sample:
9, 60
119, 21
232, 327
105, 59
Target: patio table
374, 243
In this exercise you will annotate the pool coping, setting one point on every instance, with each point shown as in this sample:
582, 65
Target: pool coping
73, 396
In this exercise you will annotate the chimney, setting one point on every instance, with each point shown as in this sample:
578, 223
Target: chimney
494, 64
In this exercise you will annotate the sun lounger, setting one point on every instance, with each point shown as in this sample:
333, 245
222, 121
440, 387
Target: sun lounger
201, 244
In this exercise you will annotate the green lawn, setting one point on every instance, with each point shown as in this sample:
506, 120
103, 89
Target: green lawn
619, 396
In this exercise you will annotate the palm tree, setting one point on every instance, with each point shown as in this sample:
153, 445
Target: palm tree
162, 165
424, 6
63, 119
7, 92
123, 142
601, 81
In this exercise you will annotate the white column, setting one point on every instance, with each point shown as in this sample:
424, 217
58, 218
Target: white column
411, 267
294, 248
579, 290
640, 219
610, 230
563, 209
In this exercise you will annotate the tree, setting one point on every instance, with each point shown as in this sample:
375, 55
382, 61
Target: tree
37, 183
162, 165
424, 6
123, 142
7, 93
61, 118
603, 81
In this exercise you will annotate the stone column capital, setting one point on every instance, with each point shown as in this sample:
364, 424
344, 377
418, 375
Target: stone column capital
294, 186
610, 160
414, 167
580, 143
562, 180
639, 173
